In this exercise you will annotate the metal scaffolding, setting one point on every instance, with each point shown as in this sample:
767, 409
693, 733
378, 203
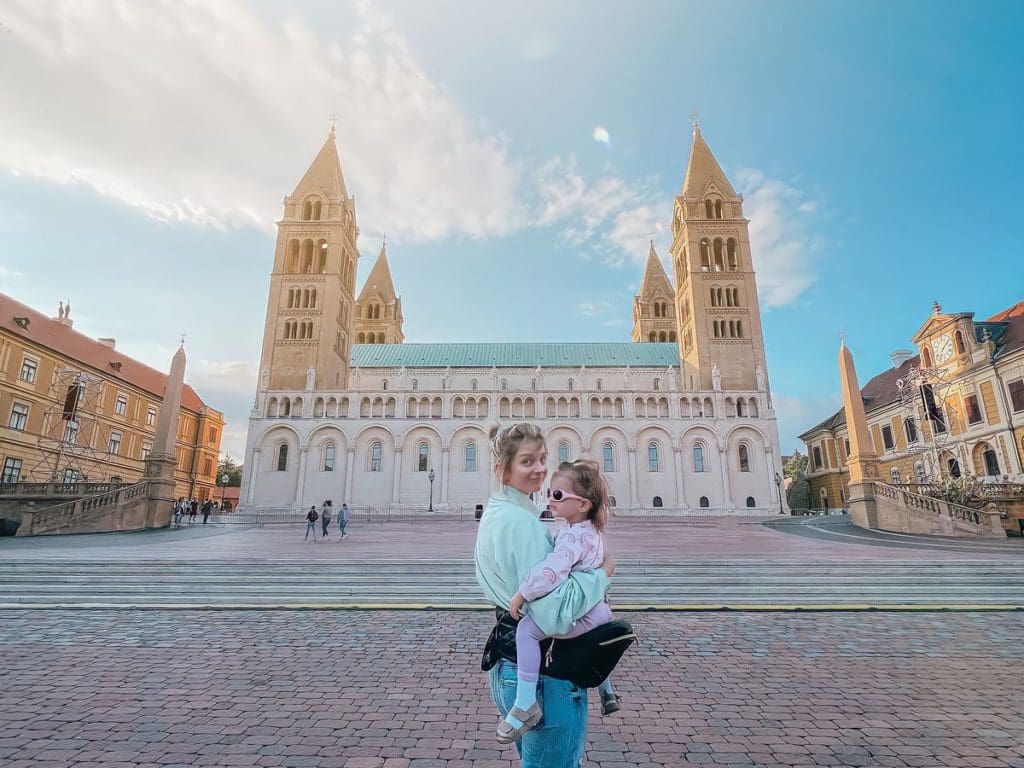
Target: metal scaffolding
70, 429
924, 395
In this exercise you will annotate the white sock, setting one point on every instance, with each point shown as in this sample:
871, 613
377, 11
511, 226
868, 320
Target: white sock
526, 697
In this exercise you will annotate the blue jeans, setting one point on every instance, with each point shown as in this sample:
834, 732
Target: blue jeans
560, 739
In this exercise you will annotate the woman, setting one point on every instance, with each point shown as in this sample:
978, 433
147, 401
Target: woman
510, 541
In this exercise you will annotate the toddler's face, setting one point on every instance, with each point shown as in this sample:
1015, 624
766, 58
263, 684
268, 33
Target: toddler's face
529, 467
570, 509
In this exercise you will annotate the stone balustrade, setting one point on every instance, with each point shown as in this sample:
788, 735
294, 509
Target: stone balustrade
45, 490
933, 515
80, 514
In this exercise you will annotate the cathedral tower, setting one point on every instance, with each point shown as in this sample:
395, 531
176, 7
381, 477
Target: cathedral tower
654, 313
378, 309
306, 339
716, 295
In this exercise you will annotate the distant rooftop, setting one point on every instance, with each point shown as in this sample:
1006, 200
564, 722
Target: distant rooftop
591, 355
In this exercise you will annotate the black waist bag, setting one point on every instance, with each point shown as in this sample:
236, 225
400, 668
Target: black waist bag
585, 660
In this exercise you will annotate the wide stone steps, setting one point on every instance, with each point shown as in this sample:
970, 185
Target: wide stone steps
438, 583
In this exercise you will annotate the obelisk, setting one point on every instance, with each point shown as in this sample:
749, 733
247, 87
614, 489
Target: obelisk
862, 461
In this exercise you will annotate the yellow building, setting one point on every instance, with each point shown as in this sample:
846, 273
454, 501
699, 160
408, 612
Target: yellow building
954, 409
74, 409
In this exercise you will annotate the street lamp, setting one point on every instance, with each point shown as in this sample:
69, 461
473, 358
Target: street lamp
431, 477
778, 486
223, 484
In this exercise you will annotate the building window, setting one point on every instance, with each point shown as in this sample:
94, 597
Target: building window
12, 470
71, 431
282, 457
894, 475
19, 417
329, 457
121, 404
147, 448
114, 443
919, 472
1017, 395
887, 437
751, 503
652, 457
744, 457
423, 457
954, 468
973, 411
911, 430
657, 502
817, 457
471, 457
70, 476
473, 385
504, 383
207, 466
991, 463
375, 457
28, 370
150, 416
600, 384
563, 452
704, 502
608, 453
698, 458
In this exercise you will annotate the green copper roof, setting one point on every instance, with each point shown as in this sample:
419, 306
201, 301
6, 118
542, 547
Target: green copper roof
601, 355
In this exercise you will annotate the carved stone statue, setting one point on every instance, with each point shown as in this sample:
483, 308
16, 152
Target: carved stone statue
761, 383
716, 378
310, 378
265, 379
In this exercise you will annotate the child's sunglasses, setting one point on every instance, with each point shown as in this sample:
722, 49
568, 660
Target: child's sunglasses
559, 495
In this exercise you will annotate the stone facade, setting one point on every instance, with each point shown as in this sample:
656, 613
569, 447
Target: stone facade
673, 428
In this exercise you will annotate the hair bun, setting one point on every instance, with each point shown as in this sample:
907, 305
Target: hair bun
493, 427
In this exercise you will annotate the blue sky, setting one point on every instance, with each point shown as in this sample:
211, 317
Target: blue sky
145, 149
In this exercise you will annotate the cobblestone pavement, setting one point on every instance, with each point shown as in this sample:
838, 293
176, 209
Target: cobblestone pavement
124, 689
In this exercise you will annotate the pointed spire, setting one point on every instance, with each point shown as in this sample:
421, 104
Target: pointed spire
862, 460
167, 423
379, 280
703, 169
654, 275
324, 174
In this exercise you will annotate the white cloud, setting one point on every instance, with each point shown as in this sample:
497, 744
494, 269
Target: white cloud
798, 414
782, 239
208, 113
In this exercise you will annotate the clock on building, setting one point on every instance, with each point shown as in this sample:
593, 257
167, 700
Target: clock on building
942, 348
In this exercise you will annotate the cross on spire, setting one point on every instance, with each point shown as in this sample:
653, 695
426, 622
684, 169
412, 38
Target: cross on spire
334, 121
693, 120
183, 335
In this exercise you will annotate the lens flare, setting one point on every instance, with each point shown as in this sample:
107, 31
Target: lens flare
601, 135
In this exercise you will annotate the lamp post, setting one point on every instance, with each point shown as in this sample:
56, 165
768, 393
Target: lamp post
223, 484
431, 477
778, 485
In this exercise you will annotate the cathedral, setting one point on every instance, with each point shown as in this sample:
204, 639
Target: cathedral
679, 418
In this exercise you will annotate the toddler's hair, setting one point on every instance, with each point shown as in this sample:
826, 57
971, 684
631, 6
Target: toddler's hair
505, 441
585, 476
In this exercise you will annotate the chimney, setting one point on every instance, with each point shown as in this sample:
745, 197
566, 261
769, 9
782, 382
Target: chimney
900, 356
108, 342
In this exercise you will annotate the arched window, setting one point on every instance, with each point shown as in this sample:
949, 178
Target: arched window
472, 385
704, 503
744, 456
652, 336
954, 468
282, 457
329, 452
375, 457
504, 383
926, 357
415, 385
750, 502
317, 210
570, 385
361, 338
719, 255
705, 255
709, 209
608, 453
662, 336
991, 462
600, 384
657, 384
698, 458
653, 465
422, 457
657, 502
958, 341
471, 456
732, 255
563, 452
307, 211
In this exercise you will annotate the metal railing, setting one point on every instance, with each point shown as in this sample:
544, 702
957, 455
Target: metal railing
358, 515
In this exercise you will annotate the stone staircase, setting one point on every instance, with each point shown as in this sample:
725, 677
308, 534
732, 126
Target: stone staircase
738, 584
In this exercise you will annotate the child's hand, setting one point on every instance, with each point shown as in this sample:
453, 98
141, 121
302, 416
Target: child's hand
516, 606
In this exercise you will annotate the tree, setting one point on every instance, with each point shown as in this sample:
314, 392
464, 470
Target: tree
798, 490
228, 467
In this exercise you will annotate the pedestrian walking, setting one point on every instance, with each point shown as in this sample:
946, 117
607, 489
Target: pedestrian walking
343, 517
179, 511
207, 509
193, 510
325, 519
311, 518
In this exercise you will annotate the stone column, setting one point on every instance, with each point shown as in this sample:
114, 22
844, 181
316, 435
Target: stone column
159, 465
862, 462
253, 471
677, 459
300, 481
632, 469
723, 461
396, 480
350, 463
445, 468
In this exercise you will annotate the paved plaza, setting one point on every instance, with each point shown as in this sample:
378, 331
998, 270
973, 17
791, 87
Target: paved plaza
374, 689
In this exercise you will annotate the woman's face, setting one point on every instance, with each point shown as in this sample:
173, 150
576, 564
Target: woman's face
529, 467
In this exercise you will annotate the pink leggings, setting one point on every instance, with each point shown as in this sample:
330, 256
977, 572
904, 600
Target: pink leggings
529, 635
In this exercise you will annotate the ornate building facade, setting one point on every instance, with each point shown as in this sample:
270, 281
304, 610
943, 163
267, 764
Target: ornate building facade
680, 418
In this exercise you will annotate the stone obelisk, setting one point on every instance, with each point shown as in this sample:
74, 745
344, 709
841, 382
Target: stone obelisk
161, 460
862, 461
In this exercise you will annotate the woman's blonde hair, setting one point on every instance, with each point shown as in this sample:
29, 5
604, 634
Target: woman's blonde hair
586, 480
505, 441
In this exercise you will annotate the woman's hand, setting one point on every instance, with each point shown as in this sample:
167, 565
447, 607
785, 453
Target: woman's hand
516, 606
608, 565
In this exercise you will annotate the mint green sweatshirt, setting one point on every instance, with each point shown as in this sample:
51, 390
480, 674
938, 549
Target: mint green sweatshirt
510, 541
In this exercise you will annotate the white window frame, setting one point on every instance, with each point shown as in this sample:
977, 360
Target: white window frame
121, 404
21, 421
25, 364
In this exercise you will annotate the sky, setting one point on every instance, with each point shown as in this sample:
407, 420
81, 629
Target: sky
517, 157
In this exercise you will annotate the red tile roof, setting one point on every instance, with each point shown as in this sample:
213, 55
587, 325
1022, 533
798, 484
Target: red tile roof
64, 340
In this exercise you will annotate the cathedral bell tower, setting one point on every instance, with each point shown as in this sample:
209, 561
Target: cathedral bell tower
716, 294
307, 338
654, 312
378, 308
